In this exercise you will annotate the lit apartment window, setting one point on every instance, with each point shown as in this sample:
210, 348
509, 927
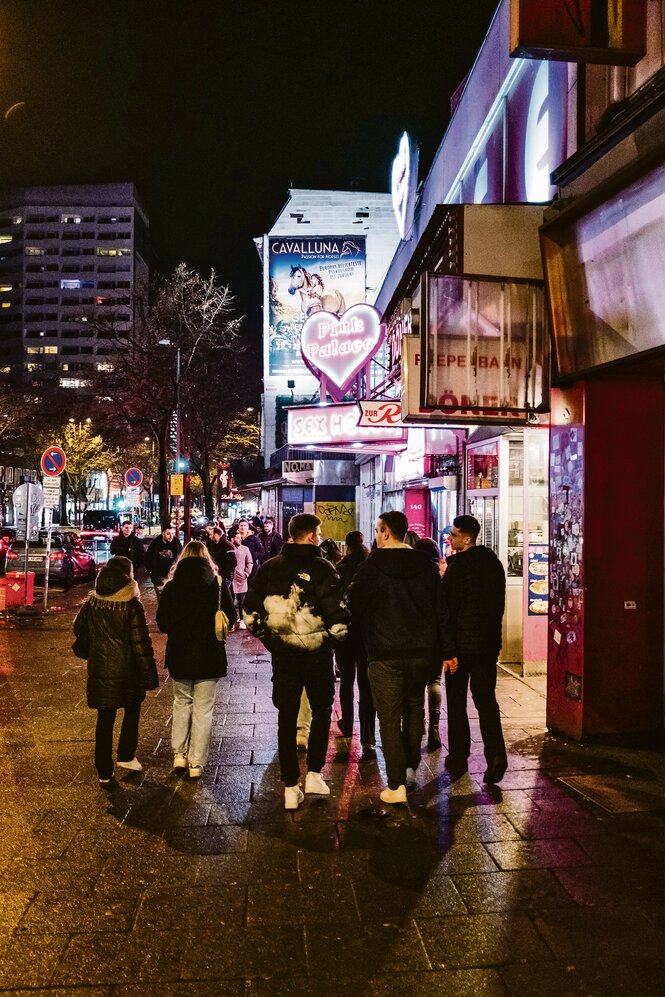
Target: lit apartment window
6, 287
73, 382
70, 219
5, 238
104, 366
34, 251
50, 349
70, 285
5, 370
17, 220
6, 304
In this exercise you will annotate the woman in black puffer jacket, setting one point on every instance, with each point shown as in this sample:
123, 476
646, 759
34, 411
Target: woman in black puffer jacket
112, 633
194, 657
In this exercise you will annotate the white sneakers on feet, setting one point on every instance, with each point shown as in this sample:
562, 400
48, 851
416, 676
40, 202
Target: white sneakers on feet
293, 797
315, 784
394, 795
195, 771
133, 766
179, 761
410, 778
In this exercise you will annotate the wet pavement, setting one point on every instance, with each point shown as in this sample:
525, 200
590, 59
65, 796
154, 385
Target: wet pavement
552, 883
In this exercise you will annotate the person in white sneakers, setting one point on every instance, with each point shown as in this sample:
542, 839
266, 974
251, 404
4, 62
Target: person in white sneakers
112, 635
295, 606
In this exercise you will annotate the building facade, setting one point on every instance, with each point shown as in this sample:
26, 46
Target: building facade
73, 260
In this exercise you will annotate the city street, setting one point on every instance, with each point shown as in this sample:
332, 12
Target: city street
550, 884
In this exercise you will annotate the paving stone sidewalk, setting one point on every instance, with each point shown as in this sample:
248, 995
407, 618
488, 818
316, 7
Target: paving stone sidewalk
166, 886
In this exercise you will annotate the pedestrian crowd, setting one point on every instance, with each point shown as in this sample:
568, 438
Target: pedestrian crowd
394, 620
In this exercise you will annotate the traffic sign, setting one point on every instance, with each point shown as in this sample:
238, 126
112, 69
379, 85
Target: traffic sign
133, 476
177, 484
53, 462
51, 490
132, 496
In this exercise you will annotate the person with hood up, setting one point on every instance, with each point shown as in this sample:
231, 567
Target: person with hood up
295, 607
396, 602
160, 557
474, 589
111, 632
195, 659
352, 659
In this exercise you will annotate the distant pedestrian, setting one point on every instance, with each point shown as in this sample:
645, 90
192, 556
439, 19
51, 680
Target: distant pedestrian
295, 607
195, 658
127, 544
271, 541
431, 548
160, 557
251, 541
474, 588
112, 634
352, 659
240, 576
395, 600
221, 551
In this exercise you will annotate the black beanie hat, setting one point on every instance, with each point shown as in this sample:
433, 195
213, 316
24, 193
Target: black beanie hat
113, 576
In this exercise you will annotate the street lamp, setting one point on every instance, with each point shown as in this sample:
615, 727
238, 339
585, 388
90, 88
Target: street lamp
167, 342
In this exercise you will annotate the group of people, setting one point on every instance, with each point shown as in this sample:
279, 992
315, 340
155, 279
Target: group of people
394, 623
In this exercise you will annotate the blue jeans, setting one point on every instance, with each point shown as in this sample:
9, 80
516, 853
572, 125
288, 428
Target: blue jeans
193, 705
398, 690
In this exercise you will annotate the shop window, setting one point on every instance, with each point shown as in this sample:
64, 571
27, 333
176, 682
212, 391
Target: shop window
483, 467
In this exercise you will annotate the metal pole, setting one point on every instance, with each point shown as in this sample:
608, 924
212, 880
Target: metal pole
177, 439
47, 565
27, 544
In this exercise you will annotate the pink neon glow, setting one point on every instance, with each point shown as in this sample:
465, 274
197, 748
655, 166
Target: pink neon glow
338, 348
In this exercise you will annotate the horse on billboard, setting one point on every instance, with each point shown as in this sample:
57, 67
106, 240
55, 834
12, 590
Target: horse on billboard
313, 294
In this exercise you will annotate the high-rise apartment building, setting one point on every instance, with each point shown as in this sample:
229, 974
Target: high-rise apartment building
70, 256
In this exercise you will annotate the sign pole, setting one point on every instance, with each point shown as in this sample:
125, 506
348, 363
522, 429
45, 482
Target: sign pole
49, 526
27, 545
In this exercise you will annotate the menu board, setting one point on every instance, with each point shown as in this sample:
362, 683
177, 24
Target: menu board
538, 580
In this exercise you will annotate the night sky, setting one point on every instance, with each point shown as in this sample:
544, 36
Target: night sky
215, 107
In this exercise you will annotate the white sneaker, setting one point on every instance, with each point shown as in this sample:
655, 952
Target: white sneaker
394, 795
315, 784
179, 761
242, 625
133, 766
410, 777
195, 771
293, 797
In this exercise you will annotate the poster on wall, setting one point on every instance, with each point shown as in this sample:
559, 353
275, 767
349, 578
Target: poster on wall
306, 276
538, 571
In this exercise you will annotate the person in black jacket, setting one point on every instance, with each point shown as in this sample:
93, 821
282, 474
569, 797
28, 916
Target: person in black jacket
160, 557
127, 544
295, 607
194, 657
395, 601
352, 659
271, 542
474, 587
221, 551
121, 665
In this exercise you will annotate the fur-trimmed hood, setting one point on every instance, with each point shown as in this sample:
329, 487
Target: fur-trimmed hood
127, 592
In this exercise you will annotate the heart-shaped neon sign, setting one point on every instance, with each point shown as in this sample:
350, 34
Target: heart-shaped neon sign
338, 348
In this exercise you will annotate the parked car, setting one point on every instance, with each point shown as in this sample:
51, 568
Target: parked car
69, 560
101, 524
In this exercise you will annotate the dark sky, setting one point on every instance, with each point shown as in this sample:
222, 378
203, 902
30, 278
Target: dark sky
215, 107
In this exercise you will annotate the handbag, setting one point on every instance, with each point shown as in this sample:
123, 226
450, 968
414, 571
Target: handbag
81, 645
221, 619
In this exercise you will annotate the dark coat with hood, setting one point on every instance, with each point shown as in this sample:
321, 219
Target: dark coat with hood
474, 588
121, 663
396, 601
186, 612
295, 604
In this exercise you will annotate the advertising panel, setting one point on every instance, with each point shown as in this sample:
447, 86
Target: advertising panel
306, 276
314, 425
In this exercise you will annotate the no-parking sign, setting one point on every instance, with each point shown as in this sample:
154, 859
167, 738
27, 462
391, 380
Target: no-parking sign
53, 461
133, 477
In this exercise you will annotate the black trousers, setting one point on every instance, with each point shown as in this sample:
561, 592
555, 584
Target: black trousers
352, 661
398, 688
129, 738
480, 672
290, 675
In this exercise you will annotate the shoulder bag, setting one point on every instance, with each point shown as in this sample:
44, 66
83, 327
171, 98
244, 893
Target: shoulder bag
221, 619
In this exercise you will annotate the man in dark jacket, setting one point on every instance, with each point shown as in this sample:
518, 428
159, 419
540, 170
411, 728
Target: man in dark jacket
395, 600
295, 607
474, 588
271, 542
127, 544
160, 557
221, 551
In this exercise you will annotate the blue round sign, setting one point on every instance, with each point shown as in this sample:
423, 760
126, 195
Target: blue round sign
53, 461
133, 476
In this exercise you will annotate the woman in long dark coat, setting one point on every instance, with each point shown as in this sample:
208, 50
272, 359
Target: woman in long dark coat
196, 660
112, 634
